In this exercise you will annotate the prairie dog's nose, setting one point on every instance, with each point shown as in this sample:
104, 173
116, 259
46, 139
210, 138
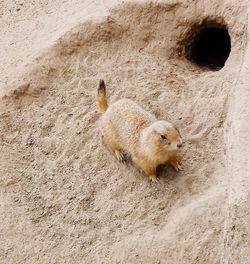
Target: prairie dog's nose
179, 144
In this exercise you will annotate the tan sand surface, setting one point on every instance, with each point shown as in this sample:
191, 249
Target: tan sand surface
63, 197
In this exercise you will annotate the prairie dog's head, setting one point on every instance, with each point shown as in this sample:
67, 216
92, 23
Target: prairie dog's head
162, 136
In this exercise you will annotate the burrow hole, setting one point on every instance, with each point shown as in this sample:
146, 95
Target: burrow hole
209, 44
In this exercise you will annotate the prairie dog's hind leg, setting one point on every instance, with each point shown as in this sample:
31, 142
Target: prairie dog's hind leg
110, 139
120, 155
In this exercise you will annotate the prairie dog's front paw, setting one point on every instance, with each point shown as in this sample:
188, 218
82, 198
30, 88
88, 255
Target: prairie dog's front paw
153, 178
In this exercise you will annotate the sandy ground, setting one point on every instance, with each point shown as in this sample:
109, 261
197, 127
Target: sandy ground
64, 198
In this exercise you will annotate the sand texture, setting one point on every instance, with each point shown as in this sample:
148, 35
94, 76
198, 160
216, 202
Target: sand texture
63, 197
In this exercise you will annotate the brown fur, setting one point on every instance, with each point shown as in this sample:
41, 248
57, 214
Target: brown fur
101, 96
129, 130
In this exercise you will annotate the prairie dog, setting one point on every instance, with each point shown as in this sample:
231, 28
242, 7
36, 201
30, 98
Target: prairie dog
127, 129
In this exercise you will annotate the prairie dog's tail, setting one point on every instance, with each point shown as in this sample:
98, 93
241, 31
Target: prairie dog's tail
101, 97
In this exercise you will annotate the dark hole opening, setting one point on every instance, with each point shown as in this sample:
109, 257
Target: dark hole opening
211, 48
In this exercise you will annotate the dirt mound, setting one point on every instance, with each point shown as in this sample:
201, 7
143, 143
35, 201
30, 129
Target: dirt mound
64, 197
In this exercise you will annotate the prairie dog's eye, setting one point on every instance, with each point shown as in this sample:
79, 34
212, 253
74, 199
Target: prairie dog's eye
163, 137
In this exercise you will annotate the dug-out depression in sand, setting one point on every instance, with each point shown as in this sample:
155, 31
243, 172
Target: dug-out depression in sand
64, 198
